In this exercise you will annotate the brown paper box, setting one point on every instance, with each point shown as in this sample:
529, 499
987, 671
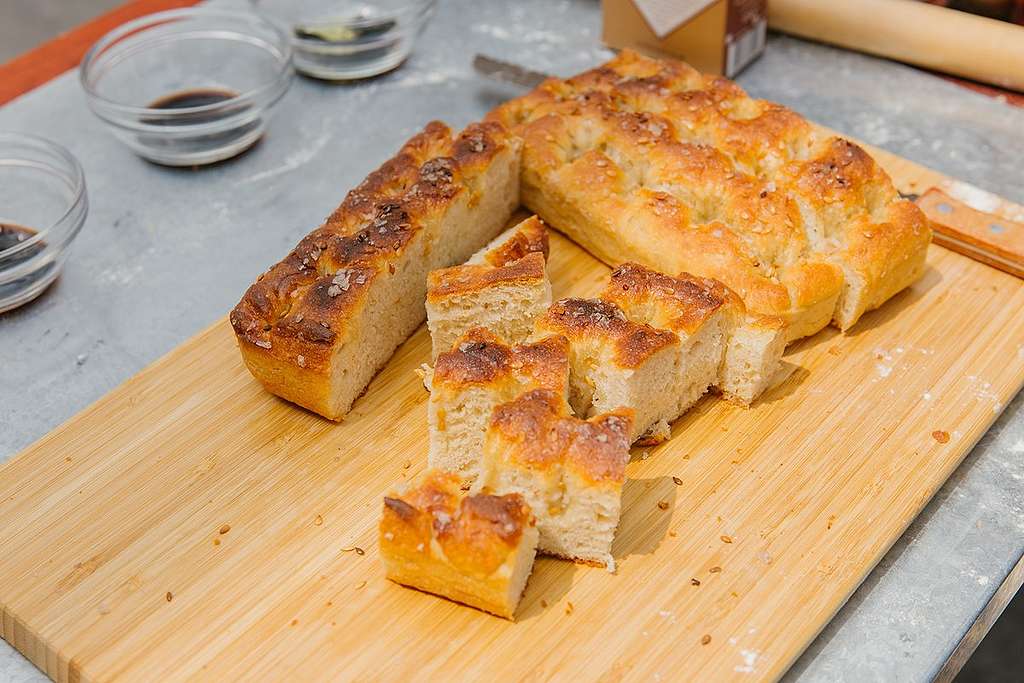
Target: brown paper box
715, 36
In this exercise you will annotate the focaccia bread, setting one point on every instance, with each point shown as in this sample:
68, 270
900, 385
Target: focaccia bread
721, 344
569, 471
317, 326
468, 382
650, 161
475, 549
502, 288
617, 362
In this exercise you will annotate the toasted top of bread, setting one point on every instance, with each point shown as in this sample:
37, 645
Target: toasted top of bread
475, 532
518, 255
526, 237
681, 304
624, 343
446, 282
536, 431
304, 305
480, 358
698, 177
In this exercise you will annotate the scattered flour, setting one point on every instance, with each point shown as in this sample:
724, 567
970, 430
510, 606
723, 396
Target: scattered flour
749, 661
293, 161
120, 274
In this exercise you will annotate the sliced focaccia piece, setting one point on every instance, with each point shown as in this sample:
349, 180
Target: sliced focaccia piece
479, 373
570, 471
721, 345
316, 327
503, 288
616, 362
475, 549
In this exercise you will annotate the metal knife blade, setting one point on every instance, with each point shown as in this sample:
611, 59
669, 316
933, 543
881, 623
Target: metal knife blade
506, 72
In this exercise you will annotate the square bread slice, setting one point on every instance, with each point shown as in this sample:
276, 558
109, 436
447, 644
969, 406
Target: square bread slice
616, 362
475, 549
569, 471
317, 326
721, 345
468, 382
503, 288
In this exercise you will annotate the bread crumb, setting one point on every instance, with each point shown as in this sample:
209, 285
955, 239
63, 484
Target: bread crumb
726, 539
663, 505
169, 596
705, 639
940, 436
224, 529
715, 570
569, 608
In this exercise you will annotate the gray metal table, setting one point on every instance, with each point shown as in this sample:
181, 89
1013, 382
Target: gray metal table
165, 253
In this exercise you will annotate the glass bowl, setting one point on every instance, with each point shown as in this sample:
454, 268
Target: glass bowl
342, 40
43, 205
188, 86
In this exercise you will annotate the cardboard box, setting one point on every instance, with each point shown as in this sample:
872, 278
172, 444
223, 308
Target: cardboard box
715, 36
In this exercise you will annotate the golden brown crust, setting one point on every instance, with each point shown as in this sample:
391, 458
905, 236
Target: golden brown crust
480, 358
437, 537
536, 431
598, 320
648, 160
465, 279
477, 529
682, 304
518, 256
528, 237
302, 309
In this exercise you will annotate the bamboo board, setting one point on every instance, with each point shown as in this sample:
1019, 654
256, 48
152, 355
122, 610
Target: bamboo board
189, 525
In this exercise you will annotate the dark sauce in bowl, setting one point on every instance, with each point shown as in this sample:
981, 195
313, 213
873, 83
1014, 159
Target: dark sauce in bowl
12, 235
245, 131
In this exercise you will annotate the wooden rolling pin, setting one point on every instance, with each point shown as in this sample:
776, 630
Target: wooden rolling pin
930, 36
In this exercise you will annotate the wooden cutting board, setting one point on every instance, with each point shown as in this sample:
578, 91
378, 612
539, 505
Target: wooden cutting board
190, 525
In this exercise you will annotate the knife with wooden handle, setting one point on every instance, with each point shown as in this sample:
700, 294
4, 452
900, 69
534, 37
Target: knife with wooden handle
987, 237
983, 236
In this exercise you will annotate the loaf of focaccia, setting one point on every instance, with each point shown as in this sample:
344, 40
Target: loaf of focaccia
502, 288
475, 549
317, 326
570, 471
650, 161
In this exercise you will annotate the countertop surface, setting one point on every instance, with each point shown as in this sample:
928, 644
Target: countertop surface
166, 252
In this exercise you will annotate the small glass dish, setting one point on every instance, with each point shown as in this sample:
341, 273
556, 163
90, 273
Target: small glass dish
43, 205
188, 86
341, 40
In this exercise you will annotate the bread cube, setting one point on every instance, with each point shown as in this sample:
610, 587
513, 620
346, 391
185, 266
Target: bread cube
503, 287
478, 374
616, 362
720, 344
477, 549
570, 471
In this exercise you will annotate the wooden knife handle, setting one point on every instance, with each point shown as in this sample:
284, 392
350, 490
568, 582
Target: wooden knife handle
984, 237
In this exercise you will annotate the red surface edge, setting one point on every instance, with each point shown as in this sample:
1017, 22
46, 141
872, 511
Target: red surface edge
51, 59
